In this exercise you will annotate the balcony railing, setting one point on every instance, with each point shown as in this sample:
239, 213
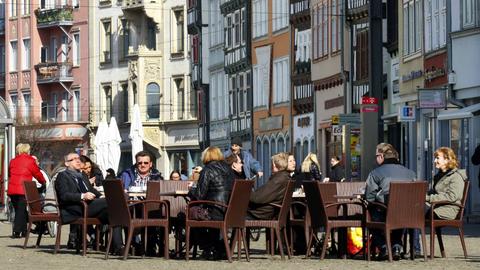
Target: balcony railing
303, 98
54, 72
357, 9
134, 4
194, 20
300, 11
62, 16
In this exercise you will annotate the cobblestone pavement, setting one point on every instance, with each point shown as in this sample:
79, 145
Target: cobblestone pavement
12, 257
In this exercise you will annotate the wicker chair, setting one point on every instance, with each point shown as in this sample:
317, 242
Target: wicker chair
119, 215
83, 222
406, 204
234, 218
436, 225
323, 216
278, 224
35, 211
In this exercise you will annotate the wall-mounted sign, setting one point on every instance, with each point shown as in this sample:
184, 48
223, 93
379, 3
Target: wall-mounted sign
406, 113
351, 118
336, 130
412, 75
433, 72
432, 98
335, 119
369, 100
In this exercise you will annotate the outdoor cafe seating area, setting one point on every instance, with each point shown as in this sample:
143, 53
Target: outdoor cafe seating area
323, 212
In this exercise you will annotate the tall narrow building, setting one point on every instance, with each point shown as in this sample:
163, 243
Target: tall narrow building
47, 82
272, 116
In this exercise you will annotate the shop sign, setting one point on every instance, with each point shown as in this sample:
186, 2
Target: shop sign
433, 73
406, 114
432, 98
337, 130
412, 75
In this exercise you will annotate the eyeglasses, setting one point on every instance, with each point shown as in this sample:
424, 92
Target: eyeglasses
143, 162
72, 159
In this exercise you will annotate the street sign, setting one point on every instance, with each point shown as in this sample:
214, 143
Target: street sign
406, 113
336, 130
366, 109
351, 118
369, 100
335, 119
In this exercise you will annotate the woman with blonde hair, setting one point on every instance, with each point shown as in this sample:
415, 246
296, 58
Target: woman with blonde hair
215, 184
311, 168
22, 168
448, 184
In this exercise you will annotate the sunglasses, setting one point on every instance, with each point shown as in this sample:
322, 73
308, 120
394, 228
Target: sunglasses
72, 159
143, 162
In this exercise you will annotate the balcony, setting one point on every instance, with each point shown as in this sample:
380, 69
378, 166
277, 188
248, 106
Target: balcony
194, 20
236, 60
357, 10
302, 67
300, 12
151, 8
229, 6
62, 16
54, 72
303, 100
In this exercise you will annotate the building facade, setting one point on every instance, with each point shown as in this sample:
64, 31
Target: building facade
47, 82
272, 112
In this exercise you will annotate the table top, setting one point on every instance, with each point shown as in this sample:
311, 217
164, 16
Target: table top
175, 193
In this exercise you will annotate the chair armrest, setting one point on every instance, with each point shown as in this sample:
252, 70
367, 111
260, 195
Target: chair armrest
275, 205
191, 203
442, 203
54, 205
370, 204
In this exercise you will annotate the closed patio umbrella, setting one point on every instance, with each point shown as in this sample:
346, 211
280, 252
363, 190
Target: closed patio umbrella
101, 145
136, 132
114, 140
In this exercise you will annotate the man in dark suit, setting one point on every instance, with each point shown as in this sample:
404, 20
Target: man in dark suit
272, 191
72, 187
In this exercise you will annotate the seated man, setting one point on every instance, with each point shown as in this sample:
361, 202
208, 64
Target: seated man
377, 190
72, 187
273, 190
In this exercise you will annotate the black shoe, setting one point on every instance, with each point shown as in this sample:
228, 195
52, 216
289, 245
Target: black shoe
16, 235
71, 245
119, 251
383, 255
396, 253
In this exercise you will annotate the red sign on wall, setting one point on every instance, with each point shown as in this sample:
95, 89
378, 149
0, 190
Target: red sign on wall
370, 109
369, 100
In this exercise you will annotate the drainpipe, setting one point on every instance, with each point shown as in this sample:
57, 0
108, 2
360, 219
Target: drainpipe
451, 96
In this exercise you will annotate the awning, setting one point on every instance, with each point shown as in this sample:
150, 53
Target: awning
466, 112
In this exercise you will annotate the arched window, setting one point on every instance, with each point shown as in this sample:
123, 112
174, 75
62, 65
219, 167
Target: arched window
281, 144
258, 150
305, 149
287, 143
266, 159
313, 146
273, 148
298, 153
153, 101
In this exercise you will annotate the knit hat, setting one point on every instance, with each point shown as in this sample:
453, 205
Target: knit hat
237, 141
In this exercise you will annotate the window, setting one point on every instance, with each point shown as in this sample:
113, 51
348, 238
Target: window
44, 54
325, 29
53, 45
76, 3
151, 35
153, 101
52, 109
124, 91
468, 13
280, 14
13, 8
228, 32
2, 60
259, 18
13, 104
243, 26
13, 55
76, 105
281, 80
260, 92
218, 97
76, 49
26, 54
64, 52
65, 109
335, 28
180, 89
26, 7
412, 26
281, 144
215, 24
302, 39
236, 29
435, 24
107, 90
124, 42
44, 108
106, 42
177, 32
320, 31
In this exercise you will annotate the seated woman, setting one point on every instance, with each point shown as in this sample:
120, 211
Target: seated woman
215, 184
93, 172
236, 166
175, 176
448, 184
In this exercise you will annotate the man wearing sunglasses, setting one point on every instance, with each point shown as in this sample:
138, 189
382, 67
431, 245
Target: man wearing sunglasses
141, 172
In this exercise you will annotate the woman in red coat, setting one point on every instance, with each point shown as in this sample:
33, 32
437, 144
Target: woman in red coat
22, 168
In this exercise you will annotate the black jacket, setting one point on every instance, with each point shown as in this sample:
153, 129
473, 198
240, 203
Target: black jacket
69, 195
215, 184
476, 160
336, 173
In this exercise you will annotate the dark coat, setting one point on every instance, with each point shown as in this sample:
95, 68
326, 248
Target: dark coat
271, 192
215, 184
69, 195
336, 173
